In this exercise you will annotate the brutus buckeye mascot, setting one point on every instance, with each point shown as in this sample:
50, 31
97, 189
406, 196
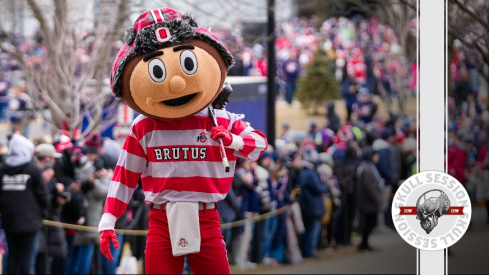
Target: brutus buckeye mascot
170, 71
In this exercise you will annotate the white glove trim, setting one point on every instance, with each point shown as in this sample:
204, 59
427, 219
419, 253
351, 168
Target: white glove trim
237, 143
107, 222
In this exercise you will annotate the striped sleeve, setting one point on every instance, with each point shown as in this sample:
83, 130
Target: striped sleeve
247, 142
131, 164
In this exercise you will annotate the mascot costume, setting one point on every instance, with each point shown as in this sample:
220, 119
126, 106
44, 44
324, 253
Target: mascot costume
172, 72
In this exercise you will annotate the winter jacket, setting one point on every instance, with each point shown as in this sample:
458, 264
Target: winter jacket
345, 93
247, 191
266, 193
385, 161
368, 191
345, 173
110, 153
55, 239
396, 161
291, 70
23, 194
95, 197
312, 190
365, 110
229, 208
333, 119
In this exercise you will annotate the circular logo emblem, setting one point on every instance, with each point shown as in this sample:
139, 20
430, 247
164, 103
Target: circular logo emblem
202, 137
182, 242
431, 210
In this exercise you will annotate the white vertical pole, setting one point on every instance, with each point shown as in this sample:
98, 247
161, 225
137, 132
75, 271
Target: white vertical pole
432, 107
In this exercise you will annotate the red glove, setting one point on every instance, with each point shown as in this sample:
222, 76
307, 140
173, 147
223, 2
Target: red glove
105, 237
220, 131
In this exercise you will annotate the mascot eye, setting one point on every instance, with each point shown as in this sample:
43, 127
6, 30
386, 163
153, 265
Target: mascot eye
157, 70
188, 61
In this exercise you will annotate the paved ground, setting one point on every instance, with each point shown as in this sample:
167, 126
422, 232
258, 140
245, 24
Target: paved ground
394, 256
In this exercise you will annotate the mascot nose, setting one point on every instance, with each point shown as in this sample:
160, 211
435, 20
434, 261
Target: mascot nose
177, 84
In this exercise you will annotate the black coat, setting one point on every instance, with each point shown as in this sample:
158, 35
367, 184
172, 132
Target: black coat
55, 239
368, 192
24, 197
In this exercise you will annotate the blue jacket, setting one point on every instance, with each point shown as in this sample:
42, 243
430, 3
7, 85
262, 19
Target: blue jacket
345, 93
312, 190
385, 162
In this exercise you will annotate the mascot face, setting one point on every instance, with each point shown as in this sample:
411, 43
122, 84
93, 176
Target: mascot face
175, 82
169, 67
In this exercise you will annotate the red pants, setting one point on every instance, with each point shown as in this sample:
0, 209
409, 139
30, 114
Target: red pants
212, 258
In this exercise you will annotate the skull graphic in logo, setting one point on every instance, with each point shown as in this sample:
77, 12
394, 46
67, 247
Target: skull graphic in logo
430, 206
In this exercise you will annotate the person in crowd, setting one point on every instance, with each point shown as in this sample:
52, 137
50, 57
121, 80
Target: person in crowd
64, 168
365, 108
349, 93
262, 65
229, 209
94, 180
332, 117
268, 202
286, 133
408, 156
109, 156
249, 208
314, 137
21, 110
279, 243
457, 157
4, 89
396, 163
292, 70
462, 89
345, 173
332, 201
325, 138
311, 199
22, 189
385, 166
344, 139
56, 242
482, 168
368, 194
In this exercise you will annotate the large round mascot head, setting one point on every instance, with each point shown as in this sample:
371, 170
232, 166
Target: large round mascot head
169, 67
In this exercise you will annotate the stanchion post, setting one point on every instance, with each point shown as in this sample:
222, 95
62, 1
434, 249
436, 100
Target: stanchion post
271, 71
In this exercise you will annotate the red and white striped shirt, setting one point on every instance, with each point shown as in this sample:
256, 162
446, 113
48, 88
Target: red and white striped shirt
178, 161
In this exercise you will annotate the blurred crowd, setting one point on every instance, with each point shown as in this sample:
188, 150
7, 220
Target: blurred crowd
16, 104
334, 181
328, 184
367, 56
468, 125
19, 105
69, 181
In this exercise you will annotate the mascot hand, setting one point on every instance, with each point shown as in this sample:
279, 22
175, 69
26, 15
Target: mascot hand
221, 132
105, 238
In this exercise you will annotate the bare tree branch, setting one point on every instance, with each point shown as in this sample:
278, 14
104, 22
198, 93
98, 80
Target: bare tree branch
74, 60
472, 14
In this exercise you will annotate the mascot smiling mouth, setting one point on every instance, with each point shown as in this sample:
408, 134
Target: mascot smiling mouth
179, 101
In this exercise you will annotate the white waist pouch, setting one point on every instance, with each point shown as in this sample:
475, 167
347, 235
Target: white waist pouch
183, 223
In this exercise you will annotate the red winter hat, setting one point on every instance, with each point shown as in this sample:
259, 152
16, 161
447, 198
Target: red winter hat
345, 134
161, 28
